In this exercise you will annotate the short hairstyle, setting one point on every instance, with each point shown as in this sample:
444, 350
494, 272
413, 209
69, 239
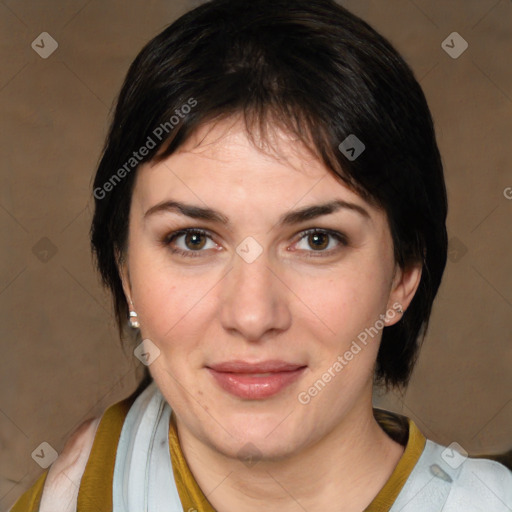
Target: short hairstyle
316, 71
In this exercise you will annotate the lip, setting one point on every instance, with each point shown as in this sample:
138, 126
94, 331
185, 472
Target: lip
255, 381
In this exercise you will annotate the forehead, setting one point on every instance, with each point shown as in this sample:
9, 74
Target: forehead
220, 165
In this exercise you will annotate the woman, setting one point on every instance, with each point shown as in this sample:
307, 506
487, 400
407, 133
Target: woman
270, 215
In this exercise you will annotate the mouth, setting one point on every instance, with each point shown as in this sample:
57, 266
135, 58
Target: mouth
255, 381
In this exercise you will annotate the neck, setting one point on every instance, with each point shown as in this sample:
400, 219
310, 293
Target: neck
348, 466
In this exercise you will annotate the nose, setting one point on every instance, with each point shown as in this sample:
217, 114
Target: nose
254, 300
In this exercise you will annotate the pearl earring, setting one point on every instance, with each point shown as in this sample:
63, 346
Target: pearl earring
134, 321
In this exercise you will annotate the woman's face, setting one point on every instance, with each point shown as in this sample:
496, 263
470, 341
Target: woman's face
268, 333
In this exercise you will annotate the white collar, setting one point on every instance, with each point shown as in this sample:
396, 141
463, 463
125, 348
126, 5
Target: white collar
143, 475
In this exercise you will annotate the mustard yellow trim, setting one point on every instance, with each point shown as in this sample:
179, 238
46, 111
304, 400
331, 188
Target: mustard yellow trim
192, 497
95, 491
389, 493
29, 501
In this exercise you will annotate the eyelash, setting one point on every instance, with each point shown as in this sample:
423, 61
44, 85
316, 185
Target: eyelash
167, 240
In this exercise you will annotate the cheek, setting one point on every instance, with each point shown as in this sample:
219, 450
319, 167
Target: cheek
344, 303
171, 305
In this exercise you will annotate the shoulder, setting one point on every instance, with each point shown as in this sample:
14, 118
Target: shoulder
79, 442
75, 452
54, 490
474, 484
79, 437
60, 484
486, 481
86, 461
72, 460
63, 478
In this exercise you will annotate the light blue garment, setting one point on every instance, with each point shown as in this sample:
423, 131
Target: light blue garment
144, 480
476, 485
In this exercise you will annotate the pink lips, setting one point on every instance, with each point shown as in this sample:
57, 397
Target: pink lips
255, 380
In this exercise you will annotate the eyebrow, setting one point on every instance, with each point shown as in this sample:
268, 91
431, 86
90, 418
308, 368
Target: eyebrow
289, 218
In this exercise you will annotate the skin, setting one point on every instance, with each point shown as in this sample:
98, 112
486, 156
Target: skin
328, 454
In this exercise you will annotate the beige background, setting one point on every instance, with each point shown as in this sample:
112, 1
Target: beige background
61, 360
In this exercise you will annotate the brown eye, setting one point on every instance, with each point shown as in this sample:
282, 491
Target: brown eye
193, 240
318, 241
188, 242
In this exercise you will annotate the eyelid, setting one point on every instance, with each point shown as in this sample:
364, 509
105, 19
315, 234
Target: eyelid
167, 239
179, 232
335, 234
341, 238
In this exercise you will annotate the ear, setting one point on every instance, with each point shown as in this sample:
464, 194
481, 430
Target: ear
404, 286
122, 267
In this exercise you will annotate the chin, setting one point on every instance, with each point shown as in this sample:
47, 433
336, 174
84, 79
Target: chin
263, 435
255, 448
